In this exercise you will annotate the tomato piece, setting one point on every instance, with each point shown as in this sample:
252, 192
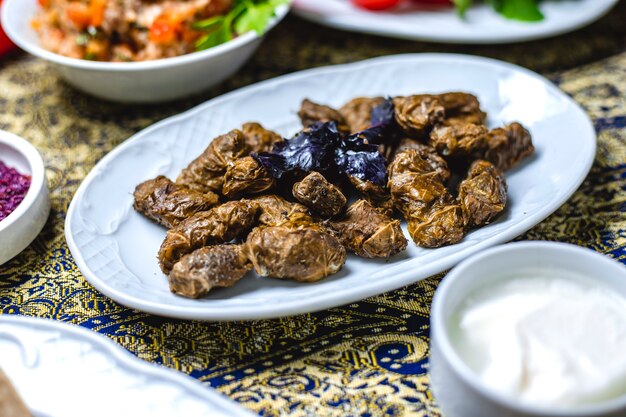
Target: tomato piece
96, 10
376, 4
5, 43
79, 14
164, 30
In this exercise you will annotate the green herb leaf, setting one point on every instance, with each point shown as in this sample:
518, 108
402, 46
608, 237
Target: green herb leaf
207, 24
239, 8
276, 3
254, 18
219, 36
524, 10
462, 6
245, 16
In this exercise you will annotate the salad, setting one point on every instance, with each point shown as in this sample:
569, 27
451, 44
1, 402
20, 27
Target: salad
140, 30
523, 10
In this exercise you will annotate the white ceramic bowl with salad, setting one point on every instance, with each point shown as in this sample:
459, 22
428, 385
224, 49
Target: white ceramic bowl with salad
221, 54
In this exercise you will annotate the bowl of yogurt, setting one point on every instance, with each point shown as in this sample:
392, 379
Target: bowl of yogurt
531, 329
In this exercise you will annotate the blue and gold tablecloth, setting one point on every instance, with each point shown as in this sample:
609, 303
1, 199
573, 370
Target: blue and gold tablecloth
364, 359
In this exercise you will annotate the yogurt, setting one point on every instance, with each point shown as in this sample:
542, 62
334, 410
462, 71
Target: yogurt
545, 339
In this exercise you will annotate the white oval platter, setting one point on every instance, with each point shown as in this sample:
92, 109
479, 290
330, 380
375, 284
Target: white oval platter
63, 370
115, 247
482, 24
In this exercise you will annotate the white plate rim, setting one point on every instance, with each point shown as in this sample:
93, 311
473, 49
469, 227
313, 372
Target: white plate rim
346, 23
204, 312
129, 360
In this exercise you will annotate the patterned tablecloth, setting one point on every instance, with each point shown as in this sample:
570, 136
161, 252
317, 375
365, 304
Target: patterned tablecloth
367, 358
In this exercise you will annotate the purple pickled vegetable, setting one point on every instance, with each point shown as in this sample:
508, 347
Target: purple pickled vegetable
383, 129
13, 189
324, 149
363, 161
276, 164
310, 150
383, 114
359, 156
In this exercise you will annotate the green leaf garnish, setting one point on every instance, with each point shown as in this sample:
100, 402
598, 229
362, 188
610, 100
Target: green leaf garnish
254, 18
462, 6
209, 23
217, 37
524, 10
245, 16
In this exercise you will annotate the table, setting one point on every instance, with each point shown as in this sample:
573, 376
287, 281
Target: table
367, 358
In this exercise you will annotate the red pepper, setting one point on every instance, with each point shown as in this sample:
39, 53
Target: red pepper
5, 43
85, 15
79, 14
97, 8
376, 4
165, 29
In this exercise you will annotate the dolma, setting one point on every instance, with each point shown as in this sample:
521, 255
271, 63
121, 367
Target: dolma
209, 267
358, 112
482, 194
376, 195
311, 113
168, 203
322, 197
369, 233
258, 139
507, 146
11, 404
246, 176
418, 192
428, 153
275, 210
206, 172
418, 114
219, 225
460, 140
297, 250
462, 108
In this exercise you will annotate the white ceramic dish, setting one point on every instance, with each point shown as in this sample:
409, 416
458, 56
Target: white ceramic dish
116, 248
62, 370
148, 81
458, 390
23, 225
482, 25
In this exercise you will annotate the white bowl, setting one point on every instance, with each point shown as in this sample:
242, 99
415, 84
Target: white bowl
136, 82
22, 226
457, 388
